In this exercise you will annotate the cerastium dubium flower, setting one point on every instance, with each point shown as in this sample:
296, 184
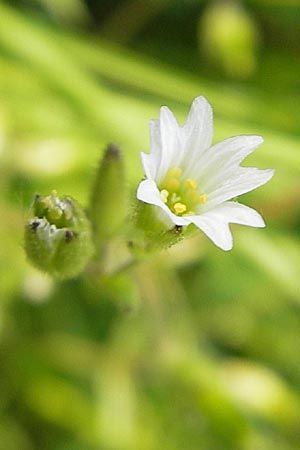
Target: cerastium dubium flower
189, 183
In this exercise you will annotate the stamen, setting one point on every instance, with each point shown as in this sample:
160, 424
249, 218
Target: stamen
181, 196
198, 198
191, 184
164, 195
203, 199
179, 208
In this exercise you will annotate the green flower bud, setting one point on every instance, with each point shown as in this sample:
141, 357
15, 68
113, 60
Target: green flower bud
229, 37
108, 206
58, 237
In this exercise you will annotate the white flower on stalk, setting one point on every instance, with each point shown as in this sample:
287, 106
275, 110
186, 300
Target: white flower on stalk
193, 182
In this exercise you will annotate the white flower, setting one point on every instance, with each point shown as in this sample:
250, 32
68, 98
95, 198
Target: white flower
192, 181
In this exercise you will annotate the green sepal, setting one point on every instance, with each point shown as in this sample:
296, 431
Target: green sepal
153, 229
58, 237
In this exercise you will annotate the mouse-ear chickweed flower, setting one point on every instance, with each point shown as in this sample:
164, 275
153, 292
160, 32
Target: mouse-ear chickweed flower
58, 237
193, 182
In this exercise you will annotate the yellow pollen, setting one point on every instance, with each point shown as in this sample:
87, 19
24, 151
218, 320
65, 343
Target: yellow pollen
198, 198
164, 195
191, 184
181, 195
179, 208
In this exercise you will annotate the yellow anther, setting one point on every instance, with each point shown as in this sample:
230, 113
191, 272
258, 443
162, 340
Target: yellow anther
198, 198
172, 184
179, 208
174, 172
191, 184
203, 199
164, 195
181, 195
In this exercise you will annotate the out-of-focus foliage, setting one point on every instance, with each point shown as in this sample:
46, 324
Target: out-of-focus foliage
197, 348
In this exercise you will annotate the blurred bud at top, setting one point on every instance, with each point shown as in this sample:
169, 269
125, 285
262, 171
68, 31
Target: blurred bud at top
108, 205
228, 37
58, 236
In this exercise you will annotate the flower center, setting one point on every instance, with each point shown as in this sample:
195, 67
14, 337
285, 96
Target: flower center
181, 195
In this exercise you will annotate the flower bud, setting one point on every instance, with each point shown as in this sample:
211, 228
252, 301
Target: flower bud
108, 201
229, 37
58, 237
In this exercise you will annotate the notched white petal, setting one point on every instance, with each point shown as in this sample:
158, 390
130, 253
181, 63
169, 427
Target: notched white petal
198, 130
169, 127
171, 148
232, 151
149, 165
234, 212
215, 229
155, 137
215, 223
244, 179
222, 159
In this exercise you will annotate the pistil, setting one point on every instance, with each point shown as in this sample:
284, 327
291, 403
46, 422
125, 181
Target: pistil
181, 196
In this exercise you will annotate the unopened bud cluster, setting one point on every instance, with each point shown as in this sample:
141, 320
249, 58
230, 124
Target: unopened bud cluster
58, 236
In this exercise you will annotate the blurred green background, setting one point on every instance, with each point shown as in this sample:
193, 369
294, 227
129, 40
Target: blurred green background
197, 348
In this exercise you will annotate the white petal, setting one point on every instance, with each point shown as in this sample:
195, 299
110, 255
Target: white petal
217, 230
235, 212
198, 131
149, 165
214, 223
243, 180
155, 137
223, 158
148, 193
171, 148
199, 124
